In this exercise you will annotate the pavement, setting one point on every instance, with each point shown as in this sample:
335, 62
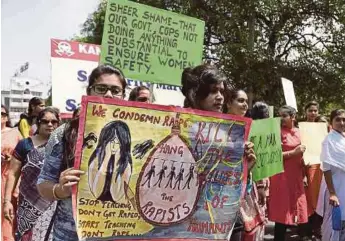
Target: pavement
291, 233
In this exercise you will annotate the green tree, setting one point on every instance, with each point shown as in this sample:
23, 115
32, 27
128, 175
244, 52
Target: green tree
256, 42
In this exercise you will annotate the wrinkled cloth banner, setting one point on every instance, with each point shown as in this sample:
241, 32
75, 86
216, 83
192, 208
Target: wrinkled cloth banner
156, 171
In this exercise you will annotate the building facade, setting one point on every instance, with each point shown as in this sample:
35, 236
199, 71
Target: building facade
17, 98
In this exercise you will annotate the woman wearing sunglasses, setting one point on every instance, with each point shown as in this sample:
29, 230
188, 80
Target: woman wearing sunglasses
58, 175
9, 139
34, 213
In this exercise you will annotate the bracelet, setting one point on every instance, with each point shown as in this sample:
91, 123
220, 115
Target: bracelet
54, 192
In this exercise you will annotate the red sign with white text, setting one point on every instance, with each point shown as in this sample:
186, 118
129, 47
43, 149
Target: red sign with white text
74, 50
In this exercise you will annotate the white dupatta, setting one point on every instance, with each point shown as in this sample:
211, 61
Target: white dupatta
333, 153
333, 150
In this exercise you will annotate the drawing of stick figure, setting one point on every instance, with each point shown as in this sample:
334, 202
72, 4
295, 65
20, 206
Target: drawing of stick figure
149, 175
189, 176
161, 175
179, 178
171, 177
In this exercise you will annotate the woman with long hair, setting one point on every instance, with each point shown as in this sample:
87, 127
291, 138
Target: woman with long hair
27, 123
206, 88
34, 213
288, 203
58, 175
9, 139
332, 192
113, 150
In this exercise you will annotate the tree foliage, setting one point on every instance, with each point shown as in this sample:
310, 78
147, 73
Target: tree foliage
256, 42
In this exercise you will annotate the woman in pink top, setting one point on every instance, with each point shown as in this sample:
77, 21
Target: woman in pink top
9, 139
288, 203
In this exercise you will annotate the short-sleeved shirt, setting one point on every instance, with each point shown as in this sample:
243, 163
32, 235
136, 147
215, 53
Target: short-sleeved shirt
22, 149
64, 225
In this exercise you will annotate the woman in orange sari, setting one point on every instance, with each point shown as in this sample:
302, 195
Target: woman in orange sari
314, 177
9, 139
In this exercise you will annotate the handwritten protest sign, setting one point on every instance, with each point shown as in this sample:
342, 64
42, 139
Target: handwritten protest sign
150, 44
312, 136
265, 134
289, 93
157, 172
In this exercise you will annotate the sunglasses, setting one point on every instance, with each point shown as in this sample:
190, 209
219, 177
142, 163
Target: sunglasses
4, 114
46, 122
103, 89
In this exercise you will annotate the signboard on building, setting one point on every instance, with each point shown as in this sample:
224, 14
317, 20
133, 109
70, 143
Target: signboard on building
72, 63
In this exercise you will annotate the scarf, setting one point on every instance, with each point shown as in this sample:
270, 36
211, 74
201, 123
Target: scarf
333, 150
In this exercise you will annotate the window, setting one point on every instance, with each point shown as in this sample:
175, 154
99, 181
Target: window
20, 110
16, 100
17, 92
26, 100
35, 93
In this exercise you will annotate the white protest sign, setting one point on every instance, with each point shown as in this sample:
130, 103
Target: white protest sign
72, 63
289, 93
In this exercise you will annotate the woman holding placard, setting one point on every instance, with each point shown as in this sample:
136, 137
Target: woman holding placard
58, 174
206, 88
288, 203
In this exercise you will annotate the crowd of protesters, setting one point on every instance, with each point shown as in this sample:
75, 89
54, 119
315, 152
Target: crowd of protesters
37, 164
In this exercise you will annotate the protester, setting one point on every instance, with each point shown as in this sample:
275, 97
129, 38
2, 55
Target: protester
252, 216
140, 94
332, 192
27, 123
314, 177
287, 202
34, 213
204, 88
259, 111
311, 111
58, 175
9, 139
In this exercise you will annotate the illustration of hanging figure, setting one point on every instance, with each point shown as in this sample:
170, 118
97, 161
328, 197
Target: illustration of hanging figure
189, 176
161, 175
179, 177
171, 176
149, 175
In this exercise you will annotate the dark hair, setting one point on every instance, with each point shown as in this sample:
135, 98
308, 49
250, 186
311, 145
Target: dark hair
71, 129
311, 103
106, 69
260, 110
35, 101
229, 96
53, 110
196, 83
288, 109
8, 122
113, 130
336, 112
76, 113
135, 92
321, 118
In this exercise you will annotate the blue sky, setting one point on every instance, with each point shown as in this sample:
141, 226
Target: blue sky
28, 26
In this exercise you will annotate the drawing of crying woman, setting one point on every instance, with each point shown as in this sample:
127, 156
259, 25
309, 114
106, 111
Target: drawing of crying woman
110, 164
